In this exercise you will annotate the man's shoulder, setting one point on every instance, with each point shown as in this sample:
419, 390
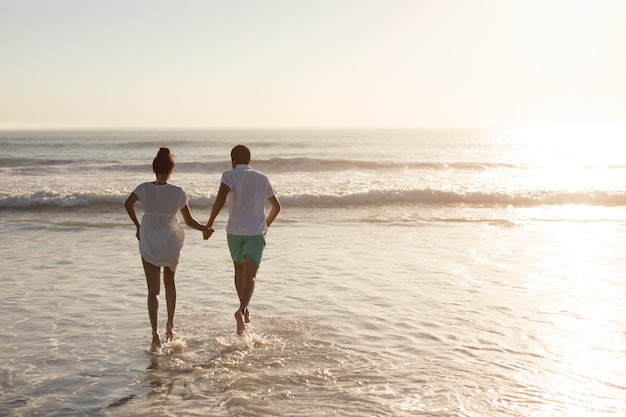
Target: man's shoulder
259, 176
243, 170
257, 172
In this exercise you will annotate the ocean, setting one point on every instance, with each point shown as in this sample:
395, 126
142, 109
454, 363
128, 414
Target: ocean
417, 272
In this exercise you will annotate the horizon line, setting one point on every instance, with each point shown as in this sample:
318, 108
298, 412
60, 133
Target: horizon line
283, 127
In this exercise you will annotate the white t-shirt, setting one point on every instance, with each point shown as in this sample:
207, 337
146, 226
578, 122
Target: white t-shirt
249, 190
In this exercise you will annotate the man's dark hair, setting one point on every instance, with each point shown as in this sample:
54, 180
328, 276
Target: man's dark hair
240, 155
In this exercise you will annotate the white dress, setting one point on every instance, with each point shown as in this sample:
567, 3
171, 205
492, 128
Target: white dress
161, 238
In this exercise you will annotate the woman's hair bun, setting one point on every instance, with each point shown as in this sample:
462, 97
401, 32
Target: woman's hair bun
163, 163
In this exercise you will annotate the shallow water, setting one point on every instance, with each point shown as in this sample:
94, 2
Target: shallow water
456, 318
361, 308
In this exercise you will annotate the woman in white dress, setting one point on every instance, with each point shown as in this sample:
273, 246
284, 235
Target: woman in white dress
160, 236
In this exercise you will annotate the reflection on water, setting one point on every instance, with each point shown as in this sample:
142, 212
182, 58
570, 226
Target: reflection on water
280, 365
483, 318
474, 276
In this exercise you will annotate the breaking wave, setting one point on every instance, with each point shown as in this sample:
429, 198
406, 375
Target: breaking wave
373, 198
272, 165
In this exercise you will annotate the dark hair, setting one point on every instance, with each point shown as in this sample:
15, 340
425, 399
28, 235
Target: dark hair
163, 163
240, 154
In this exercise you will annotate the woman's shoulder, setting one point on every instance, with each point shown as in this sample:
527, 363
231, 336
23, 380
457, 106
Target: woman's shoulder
141, 186
177, 190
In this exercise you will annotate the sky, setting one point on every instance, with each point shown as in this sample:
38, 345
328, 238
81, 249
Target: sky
310, 63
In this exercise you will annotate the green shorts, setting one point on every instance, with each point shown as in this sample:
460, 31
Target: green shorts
242, 246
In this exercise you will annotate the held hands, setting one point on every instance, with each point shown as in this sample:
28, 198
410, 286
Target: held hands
207, 232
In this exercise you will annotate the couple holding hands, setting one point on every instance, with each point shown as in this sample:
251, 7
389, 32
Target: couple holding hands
161, 238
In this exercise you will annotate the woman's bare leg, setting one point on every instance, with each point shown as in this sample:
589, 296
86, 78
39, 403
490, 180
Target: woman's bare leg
170, 297
153, 279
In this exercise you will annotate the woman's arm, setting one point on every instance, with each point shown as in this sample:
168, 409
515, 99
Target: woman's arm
130, 209
191, 222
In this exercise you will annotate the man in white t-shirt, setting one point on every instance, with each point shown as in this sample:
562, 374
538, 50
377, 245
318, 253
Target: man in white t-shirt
247, 190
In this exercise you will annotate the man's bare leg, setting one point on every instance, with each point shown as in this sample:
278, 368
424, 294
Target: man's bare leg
170, 297
153, 279
248, 282
239, 287
238, 279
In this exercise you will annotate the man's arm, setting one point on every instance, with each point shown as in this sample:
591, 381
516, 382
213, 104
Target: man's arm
274, 211
220, 200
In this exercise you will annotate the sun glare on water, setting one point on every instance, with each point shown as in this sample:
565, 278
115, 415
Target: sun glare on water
582, 311
570, 145
574, 158
582, 328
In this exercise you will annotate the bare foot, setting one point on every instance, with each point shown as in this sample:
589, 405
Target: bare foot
246, 316
241, 326
169, 332
156, 343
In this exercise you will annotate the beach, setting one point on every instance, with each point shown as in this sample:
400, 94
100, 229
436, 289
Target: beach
434, 272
